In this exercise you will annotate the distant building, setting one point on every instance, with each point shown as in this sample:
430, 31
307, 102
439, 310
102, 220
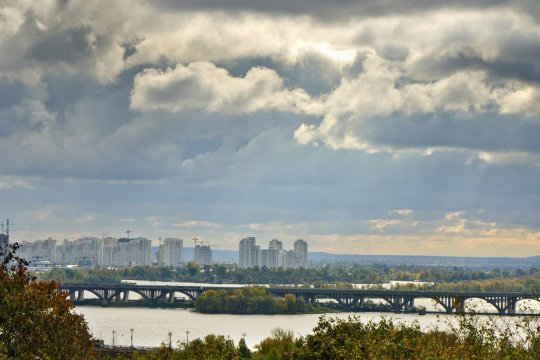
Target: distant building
275, 254
38, 251
263, 257
203, 255
248, 253
170, 252
4, 239
251, 255
300, 253
288, 260
89, 251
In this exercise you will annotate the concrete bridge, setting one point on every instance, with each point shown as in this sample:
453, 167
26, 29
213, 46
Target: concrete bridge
348, 299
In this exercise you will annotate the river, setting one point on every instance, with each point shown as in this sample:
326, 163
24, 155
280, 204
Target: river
151, 326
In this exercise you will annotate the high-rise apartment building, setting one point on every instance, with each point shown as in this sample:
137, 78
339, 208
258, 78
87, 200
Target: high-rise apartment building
300, 253
4, 239
275, 254
170, 252
203, 255
42, 250
288, 259
90, 251
250, 254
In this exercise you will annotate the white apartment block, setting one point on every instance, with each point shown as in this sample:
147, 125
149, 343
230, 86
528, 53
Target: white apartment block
251, 255
203, 255
301, 253
170, 252
90, 251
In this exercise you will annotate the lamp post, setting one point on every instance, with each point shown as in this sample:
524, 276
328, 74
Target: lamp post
187, 338
170, 339
113, 334
131, 330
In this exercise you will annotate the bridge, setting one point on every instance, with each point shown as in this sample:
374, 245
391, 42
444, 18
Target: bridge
347, 299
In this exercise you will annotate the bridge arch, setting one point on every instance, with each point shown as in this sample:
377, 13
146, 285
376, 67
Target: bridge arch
436, 302
385, 300
528, 305
94, 292
481, 304
187, 294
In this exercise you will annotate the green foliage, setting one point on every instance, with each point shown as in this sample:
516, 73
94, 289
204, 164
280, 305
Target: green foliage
280, 345
335, 275
526, 284
212, 347
249, 300
36, 319
472, 337
244, 351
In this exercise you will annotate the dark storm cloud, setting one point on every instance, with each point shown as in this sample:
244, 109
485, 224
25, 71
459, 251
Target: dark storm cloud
66, 45
11, 92
485, 132
330, 10
518, 61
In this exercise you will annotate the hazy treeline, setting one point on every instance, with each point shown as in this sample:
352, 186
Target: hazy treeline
249, 300
528, 284
218, 273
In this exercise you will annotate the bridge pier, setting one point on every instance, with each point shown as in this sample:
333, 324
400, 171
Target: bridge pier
511, 308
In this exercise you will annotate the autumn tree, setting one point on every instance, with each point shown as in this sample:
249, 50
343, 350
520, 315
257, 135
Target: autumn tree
37, 321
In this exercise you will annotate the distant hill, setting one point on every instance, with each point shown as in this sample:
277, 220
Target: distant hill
315, 257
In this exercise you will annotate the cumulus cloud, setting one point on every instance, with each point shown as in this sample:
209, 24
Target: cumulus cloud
202, 85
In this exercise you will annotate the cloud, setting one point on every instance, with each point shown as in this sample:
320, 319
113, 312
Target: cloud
380, 224
401, 212
202, 85
86, 219
342, 10
303, 119
9, 184
196, 224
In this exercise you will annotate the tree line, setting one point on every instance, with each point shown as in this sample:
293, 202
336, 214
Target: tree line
219, 273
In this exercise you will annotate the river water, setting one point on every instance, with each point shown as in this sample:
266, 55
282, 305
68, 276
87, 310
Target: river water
151, 326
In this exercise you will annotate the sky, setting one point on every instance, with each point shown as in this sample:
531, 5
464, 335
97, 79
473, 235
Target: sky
363, 127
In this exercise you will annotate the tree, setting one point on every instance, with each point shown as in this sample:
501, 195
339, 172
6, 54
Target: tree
244, 351
36, 319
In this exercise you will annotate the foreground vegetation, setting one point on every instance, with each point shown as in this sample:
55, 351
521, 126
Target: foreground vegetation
36, 320
471, 338
250, 300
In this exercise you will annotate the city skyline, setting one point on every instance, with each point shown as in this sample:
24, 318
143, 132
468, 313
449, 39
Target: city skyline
138, 251
365, 127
